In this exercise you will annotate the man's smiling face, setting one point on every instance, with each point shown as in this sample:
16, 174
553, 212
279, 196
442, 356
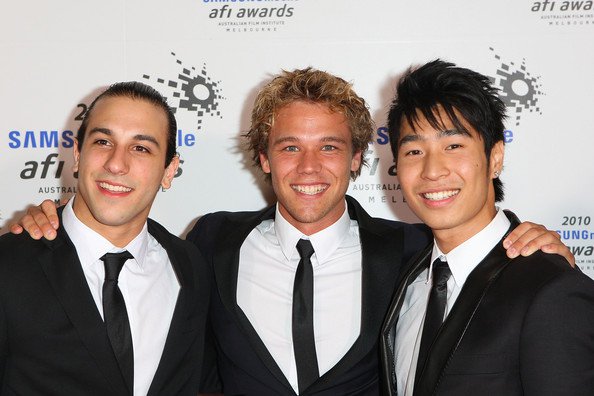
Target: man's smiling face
446, 178
121, 166
310, 159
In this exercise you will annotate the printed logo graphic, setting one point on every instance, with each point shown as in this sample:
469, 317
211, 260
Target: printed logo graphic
519, 89
249, 16
576, 13
193, 90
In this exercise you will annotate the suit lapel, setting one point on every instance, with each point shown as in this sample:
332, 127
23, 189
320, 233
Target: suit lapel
180, 335
388, 335
63, 270
226, 268
467, 303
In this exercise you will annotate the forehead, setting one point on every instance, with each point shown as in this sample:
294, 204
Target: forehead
125, 113
309, 118
440, 122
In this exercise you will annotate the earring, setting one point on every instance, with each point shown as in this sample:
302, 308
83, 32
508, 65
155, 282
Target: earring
496, 174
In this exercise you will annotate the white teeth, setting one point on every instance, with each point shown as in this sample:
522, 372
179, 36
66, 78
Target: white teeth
438, 196
109, 187
309, 190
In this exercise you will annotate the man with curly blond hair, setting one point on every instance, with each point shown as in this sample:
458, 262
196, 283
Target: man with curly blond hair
308, 134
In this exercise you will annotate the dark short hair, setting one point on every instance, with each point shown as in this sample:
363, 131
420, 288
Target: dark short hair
442, 85
311, 86
139, 91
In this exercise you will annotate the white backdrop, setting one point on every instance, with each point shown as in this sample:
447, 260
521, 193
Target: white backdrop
210, 57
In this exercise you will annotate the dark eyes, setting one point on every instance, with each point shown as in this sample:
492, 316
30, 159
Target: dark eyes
413, 152
418, 152
101, 142
137, 148
141, 149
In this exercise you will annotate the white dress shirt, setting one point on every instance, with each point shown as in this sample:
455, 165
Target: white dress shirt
147, 282
462, 260
267, 265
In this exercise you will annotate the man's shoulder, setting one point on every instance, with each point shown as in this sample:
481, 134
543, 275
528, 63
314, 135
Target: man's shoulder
21, 245
211, 223
540, 271
19, 257
221, 216
406, 227
167, 239
357, 211
541, 264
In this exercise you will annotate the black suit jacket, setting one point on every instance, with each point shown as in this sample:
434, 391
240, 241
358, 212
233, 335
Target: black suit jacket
53, 340
245, 367
519, 327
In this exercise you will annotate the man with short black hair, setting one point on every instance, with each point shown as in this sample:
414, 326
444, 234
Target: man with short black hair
115, 304
465, 318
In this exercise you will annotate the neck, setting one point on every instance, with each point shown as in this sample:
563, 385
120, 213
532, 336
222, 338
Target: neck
448, 239
117, 235
120, 238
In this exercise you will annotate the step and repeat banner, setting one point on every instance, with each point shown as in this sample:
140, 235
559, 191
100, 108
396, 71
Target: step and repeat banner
209, 58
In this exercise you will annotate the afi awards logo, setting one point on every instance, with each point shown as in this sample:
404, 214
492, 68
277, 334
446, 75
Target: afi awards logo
249, 16
576, 13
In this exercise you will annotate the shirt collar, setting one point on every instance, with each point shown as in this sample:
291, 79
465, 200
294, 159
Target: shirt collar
324, 242
465, 257
91, 246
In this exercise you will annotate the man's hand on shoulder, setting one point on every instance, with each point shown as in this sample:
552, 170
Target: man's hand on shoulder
39, 221
529, 237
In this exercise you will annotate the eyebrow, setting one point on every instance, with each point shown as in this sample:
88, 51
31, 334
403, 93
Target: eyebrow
415, 137
138, 137
325, 139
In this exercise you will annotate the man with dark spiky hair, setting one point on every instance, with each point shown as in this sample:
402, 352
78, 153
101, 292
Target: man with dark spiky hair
465, 318
115, 304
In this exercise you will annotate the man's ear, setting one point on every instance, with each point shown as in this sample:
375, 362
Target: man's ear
496, 159
264, 163
356, 161
76, 155
170, 172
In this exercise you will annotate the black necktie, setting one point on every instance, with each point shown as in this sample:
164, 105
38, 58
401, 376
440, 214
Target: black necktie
303, 331
116, 316
435, 311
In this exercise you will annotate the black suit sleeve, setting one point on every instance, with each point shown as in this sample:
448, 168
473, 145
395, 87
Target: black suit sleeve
203, 235
557, 341
5, 261
416, 238
3, 344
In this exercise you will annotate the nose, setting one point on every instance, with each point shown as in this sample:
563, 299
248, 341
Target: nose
434, 166
117, 161
309, 162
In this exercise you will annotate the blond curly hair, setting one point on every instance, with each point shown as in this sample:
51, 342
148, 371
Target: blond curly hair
314, 86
